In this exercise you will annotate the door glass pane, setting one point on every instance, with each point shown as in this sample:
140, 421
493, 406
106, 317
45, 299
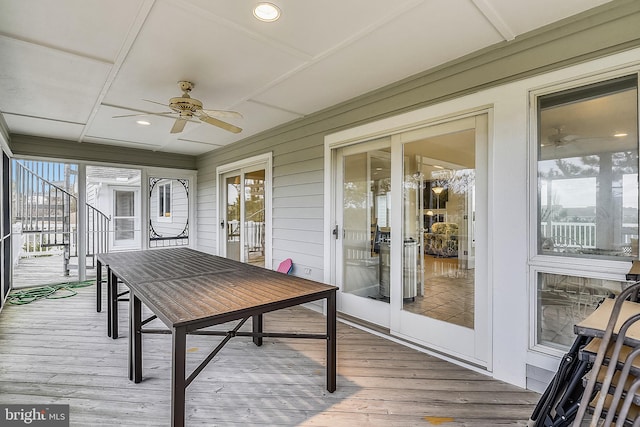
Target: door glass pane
438, 225
366, 205
588, 171
124, 203
124, 223
233, 217
124, 228
254, 217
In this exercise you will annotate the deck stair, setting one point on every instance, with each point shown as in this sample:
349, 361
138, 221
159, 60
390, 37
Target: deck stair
45, 209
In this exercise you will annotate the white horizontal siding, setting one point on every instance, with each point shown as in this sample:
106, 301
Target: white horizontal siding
297, 202
307, 213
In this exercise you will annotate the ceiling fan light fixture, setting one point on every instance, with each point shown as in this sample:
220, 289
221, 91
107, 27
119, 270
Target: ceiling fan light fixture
267, 12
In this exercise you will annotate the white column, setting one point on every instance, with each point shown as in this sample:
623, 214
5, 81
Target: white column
82, 221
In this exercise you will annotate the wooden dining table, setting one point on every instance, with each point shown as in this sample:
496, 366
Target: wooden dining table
191, 293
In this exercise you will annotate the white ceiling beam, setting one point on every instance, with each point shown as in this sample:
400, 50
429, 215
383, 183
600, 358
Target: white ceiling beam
494, 19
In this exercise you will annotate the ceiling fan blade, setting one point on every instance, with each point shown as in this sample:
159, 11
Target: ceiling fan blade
155, 102
143, 114
224, 125
178, 126
223, 114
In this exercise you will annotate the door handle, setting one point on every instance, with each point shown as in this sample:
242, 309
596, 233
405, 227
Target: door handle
222, 224
335, 232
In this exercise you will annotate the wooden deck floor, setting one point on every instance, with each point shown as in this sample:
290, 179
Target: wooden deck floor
57, 352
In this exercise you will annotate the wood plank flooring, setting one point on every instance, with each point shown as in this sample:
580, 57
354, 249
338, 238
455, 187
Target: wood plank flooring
57, 351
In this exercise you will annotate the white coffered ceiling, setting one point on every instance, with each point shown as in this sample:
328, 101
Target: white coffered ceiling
68, 66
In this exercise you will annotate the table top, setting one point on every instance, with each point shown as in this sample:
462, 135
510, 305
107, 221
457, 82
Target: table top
596, 323
202, 289
149, 255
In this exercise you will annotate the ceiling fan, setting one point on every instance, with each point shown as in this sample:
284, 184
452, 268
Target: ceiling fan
187, 108
560, 138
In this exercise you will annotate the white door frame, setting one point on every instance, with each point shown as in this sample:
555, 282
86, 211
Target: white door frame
135, 242
242, 166
399, 128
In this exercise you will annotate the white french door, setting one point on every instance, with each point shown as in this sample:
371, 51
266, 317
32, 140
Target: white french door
362, 229
409, 235
440, 183
244, 211
126, 219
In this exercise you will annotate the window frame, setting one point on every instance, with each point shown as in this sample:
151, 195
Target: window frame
607, 269
162, 185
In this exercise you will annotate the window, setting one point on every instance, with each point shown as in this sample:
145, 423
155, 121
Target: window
587, 203
588, 171
164, 201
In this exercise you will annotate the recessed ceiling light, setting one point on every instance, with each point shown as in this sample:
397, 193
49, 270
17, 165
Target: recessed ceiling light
267, 12
143, 123
620, 134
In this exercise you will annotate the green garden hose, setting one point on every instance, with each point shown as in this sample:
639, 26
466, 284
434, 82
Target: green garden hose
61, 290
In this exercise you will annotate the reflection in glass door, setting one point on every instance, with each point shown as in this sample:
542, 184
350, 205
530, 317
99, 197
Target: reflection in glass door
254, 217
363, 230
444, 296
244, 222
232, 226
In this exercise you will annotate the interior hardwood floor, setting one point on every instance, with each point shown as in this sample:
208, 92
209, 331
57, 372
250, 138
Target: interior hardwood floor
57, 352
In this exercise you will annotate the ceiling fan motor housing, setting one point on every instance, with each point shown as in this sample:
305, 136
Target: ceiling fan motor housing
183, 104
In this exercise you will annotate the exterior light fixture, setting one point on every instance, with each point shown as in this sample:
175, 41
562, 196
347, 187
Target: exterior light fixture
267, 12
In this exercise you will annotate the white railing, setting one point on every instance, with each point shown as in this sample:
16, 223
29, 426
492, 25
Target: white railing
582, 234
254, 234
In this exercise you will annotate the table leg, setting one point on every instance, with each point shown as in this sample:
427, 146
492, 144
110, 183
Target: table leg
257, 328
331, 342
98, 286
135, 338
178, 372
109, 298
113, 305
